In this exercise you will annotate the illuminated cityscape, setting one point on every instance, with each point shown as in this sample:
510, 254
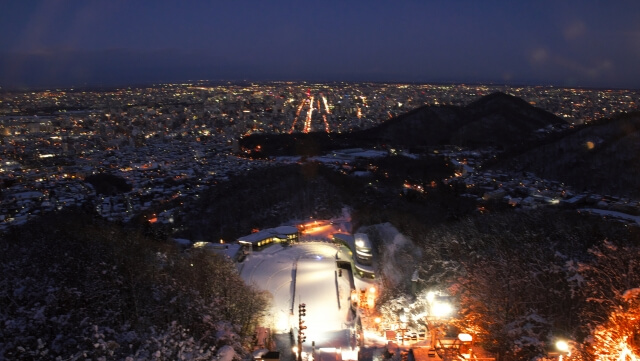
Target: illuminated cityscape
320, 181
53, 139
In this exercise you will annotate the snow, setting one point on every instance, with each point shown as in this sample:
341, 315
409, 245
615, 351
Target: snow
347, 155
226, 353
259, 353
312, 289
395, 244
308, 272
182, 242
612, 214
409, 155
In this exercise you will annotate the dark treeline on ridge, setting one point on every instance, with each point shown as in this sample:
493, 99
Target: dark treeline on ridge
280, 194
78, 287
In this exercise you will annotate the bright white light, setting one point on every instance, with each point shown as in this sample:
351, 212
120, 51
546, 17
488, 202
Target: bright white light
349, 355
562, 346
441, 309
465, 337
431, 296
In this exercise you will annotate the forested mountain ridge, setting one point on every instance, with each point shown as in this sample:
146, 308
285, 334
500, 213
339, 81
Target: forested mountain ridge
77, 287
602, 156
521, 280
497, 120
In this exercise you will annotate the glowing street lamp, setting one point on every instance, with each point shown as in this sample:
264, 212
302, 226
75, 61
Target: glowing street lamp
441, 309
438, 310
371, 297
563, 348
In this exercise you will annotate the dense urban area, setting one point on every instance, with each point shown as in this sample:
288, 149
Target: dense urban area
173, 140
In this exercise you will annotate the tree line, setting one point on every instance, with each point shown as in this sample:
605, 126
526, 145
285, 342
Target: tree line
77, 287
521, 281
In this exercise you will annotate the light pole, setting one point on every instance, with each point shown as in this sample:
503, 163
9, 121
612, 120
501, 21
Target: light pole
301, 327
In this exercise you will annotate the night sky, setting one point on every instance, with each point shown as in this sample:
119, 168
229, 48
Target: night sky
111, 42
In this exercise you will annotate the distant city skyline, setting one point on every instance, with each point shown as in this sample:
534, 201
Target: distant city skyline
112, 43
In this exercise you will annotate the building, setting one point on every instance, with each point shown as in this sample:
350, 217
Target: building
360, 245
233, 252
363, 261
282, 234
230, 251
364, 254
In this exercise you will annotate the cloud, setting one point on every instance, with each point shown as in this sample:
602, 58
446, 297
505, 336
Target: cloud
567, 69
574, 30
634, 41
538, 56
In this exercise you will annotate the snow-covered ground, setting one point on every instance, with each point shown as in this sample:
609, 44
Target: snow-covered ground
304, 273
612, 214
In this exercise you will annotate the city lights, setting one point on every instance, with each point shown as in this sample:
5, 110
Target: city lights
171, 143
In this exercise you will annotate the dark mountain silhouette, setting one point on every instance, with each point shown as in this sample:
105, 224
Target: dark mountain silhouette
497, 120
603, 157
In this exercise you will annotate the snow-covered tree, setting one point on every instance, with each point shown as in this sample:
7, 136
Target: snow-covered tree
76, 288
611, 281
510, 274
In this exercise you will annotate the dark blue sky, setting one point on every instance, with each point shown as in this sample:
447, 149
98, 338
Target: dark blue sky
113, 42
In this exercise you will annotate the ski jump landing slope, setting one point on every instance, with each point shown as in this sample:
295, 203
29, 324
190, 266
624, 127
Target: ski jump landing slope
304, 273
319, 288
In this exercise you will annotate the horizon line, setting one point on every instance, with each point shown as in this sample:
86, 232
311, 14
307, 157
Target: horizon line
146, 84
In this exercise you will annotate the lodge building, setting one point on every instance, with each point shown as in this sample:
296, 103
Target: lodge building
282, 234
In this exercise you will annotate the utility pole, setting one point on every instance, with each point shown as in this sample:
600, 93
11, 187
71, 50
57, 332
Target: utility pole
301, 327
